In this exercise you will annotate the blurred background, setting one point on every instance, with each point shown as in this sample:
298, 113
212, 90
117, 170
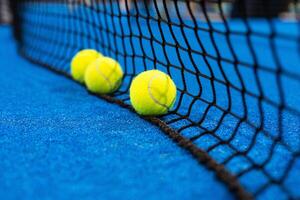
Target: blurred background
285, 9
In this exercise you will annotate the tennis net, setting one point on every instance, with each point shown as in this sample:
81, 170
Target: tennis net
236, 65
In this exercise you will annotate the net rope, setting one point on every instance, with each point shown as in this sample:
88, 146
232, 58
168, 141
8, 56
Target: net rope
236, 65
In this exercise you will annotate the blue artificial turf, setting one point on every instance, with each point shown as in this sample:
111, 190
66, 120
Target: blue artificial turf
57, 141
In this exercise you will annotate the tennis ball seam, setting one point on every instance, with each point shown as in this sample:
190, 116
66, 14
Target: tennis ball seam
118, 83
154, 99
105, 77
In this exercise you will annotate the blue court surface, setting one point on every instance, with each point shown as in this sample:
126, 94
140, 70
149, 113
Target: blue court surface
57, 140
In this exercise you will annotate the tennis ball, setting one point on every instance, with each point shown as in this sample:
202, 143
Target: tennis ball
152, 93
80, 62
103, 76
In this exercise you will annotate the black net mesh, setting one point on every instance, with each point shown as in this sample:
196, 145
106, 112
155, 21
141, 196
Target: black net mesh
236, 65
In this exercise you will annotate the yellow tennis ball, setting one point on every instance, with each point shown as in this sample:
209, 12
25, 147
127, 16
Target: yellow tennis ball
80, 62
103, 76
152, 93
